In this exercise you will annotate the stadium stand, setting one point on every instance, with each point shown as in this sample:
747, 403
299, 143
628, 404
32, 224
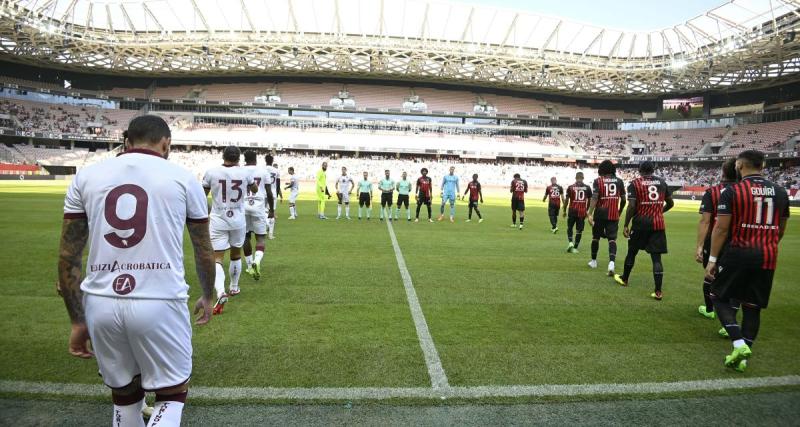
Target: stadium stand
762, 136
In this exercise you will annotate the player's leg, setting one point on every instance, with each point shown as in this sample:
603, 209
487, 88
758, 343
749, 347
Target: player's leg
579, 225
235, 266
347, 209
452, 208
707, 309
513, 217
751, 322
247, 248
419, 205
598, 231
270, 222
430, 213
128, 402
408, 209
259, 255
397, 207
339, 206
478, 211
163, 350
570, 226
220, 242
441, 210
611, 235
470, 207
521, 209
630, 261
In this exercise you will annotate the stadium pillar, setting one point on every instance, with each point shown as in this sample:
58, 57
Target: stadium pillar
72, 145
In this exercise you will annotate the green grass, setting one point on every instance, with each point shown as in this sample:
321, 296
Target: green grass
504, 306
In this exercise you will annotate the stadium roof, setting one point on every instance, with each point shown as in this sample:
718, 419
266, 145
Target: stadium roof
741, 42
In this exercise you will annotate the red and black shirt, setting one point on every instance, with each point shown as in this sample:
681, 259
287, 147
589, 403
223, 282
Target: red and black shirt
424, 186
474, 188
553, 194
578, 196
709, 205
518, 189
649, 194
610, 194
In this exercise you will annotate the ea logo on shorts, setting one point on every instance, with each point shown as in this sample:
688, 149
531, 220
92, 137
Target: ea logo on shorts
229, 214
124, 284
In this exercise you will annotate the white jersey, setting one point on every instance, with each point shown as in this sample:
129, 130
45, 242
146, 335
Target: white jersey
294, 184
136, 205
255, 204
228, 186
273, 172
345, 184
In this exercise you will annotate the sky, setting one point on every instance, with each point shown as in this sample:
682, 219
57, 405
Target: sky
635, 15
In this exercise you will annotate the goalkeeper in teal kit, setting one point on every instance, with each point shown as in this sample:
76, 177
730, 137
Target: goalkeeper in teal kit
450, 190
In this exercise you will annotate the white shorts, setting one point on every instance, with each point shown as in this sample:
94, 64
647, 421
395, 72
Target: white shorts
345, 197
256, 223
293, 196
222, 240
147, 337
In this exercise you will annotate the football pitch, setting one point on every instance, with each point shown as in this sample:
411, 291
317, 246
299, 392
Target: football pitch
417, 314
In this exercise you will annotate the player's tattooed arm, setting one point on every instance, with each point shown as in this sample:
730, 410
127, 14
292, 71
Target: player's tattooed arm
74, 233
203, 256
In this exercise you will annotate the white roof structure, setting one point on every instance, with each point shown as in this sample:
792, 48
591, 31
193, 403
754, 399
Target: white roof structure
741, 42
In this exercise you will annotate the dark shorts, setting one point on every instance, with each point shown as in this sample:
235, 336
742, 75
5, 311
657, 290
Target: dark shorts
364, 199
386, 199
605, 229
473, 204
652, 241
402, 199
518, 205
552, 210
423, 200
578, 223
741, 278
707, 252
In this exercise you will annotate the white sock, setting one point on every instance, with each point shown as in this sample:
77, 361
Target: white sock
347, 210
338, 210
738, 343
166, 414
293, 210
259, 255
249, 260
270, 226
128, 415
219, 280
235, 269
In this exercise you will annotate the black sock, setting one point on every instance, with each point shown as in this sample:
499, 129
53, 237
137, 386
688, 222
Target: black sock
514, 217
707, 296
595, 248
553, 220
658, 271
751, 322
469, 216
478, 213
612, 250
521, 219
577, 239
429, 211
630, 260
727, 317
418, 206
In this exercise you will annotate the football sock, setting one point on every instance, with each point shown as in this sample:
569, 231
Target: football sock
727, 317
270, 226
442, 209
658, 270
258, 256
369, 212
347, 210
429, 211
452, 210
396, 213
577, 239
235, 269
569, 233
380, 214
248, 259
612, 250
219, 280
521, 219
479, 213
168, 410
553, 221
514, 217
707, 296
359, 211
408, 213
751, 321
418, 206
338, 210
630, 261
469, 215
595, 248
128, 409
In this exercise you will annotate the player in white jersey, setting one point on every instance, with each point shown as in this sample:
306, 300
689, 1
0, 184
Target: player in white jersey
227, 184
274, 189
132, 300
344, 186
294, 189
255, 214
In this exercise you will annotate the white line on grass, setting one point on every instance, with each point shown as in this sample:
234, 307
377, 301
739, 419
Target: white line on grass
377, 393
432, 361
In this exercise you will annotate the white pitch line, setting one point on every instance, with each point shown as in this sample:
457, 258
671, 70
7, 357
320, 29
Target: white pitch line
379, 393
432, 361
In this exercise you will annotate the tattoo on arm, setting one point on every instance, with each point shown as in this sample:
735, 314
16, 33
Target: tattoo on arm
74, 233
203, 256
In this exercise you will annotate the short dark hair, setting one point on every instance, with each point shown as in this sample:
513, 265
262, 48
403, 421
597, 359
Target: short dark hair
729, 170
147, 129
647, 168
423, 170
516, 175
250, 157
231, 154
579, 175
754, 158
268, 159
606, 168
474, 175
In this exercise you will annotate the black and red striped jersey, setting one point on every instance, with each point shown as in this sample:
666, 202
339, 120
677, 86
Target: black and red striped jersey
709, 204
424, 186
474, 188
648, 194
610, 194
518, 189
553, 194
756, 207
578, 196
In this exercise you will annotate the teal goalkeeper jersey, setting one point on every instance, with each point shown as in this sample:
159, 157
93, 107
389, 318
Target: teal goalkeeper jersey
404, 187
450, 185
364, 186
386, 185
